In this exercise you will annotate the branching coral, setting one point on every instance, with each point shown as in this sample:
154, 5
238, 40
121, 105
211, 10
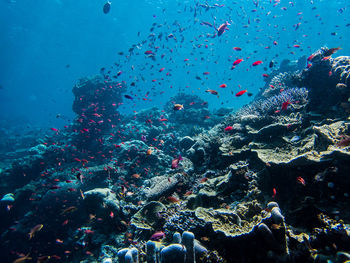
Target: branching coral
262, 107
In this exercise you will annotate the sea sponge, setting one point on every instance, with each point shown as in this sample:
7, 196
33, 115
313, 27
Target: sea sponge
174, 253
188, 242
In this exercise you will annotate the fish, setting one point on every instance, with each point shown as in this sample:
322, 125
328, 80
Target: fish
344, 141
136, 176
107, 7
149, 151
178, 107
22, 259
223, 86
222, 28
214, 92
274, 192
236, 62
172, 199
128, 97
70, 209
111, 214
240, 93
331, 51
34, 230
157, 236
275, 226
228, 128
237, 48
175, 162
301, 180
257, 63
285, 105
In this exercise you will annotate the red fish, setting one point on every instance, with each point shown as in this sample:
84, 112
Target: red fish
301, 180
223, 86
175, 162
148, 52
237, 61
54, 129
274, 192
257, 63
157, 236
237, 48
285, 105
240, 93
228, 128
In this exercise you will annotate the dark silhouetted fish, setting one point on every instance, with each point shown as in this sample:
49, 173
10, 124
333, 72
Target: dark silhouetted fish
107, 7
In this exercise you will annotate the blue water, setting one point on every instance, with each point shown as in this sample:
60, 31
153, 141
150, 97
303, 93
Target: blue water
46, 46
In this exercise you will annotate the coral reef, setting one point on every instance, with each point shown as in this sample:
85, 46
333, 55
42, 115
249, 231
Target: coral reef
268, 183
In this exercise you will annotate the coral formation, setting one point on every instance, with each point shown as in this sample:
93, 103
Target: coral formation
268, 183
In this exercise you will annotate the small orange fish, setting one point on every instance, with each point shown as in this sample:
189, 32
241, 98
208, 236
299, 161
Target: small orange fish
214, 92
149, 151
223, 86
301, 180
275, 226
70, 209
205, 239
178, 107
203, 180
172, 199
22, 259
136, 176
274, 192
35, 229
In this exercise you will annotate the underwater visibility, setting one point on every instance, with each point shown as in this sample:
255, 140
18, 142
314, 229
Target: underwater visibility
176, 131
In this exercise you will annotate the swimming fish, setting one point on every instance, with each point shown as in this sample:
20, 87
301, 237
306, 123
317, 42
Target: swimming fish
22, 259
34, 230
222, 28
240, 93
236, 62
285, 105
107, 7
228, 128
178, 107
175, 162
256, 63
214, 92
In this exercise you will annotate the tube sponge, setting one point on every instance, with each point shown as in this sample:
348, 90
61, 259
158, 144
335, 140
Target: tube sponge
174, 253
132, 256
177, 238
128, 255
276, 215
151, 252
188, 242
